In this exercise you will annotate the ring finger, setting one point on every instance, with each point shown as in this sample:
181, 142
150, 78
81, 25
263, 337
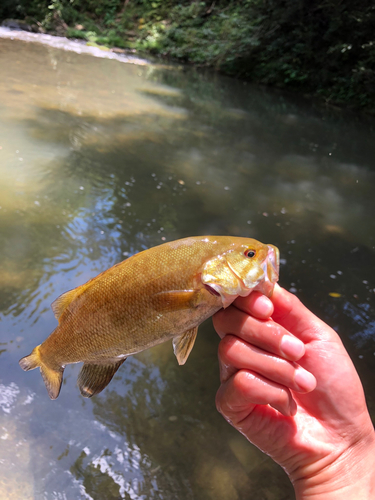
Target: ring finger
236, 354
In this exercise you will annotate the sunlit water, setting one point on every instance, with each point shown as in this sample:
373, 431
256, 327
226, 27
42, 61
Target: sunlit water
100, 159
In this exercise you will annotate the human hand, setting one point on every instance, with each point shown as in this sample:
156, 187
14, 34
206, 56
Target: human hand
311, 416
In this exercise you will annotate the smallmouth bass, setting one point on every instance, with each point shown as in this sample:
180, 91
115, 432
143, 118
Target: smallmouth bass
159, 294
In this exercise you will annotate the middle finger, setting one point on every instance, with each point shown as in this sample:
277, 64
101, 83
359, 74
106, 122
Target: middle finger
265, 334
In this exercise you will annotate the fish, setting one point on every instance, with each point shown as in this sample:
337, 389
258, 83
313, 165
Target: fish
160, 294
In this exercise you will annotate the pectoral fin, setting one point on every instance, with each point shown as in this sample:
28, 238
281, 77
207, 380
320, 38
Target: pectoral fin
183, 344
92, 379
175, 300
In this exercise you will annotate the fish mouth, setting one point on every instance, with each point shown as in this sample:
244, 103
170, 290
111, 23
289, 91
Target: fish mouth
270, 267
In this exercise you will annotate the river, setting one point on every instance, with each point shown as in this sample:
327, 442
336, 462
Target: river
101, 158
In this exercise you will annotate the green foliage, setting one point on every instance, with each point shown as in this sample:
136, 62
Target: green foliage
313, 42
323, 47
19, 9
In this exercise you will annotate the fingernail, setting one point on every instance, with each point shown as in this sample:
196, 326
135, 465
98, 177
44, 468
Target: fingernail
292, 347
304, 379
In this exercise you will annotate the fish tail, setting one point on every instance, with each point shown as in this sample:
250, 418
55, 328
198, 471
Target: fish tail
51, 377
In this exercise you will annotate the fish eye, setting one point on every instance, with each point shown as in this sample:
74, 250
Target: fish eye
250, 253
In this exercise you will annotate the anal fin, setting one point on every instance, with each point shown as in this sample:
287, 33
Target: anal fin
93, 378
183, 344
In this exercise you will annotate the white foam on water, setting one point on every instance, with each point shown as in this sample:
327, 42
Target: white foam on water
8, 396
77, 46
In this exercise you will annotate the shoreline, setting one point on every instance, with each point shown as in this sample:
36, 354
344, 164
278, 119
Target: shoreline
68, 44
80, 46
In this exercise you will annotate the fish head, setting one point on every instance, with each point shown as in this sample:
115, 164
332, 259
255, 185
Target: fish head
246, 266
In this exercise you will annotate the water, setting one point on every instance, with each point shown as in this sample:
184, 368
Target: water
100, 159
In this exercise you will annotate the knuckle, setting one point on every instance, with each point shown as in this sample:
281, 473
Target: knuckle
242, 382
292, 302
225, 346
219, 321
219, 401
295, 301
272, 328
289, 301
283, 396
218, 316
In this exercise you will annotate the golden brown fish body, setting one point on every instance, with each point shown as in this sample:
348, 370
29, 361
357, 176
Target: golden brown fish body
161, 293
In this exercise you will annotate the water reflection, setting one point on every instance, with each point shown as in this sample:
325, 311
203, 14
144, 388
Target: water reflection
99, 160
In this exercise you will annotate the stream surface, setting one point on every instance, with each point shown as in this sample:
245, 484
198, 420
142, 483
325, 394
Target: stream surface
100, 159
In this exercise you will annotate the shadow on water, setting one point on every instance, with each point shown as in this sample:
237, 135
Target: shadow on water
209, 156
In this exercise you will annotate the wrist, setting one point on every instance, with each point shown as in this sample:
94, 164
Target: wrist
350, 477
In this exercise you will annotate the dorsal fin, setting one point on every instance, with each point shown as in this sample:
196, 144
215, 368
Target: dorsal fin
62, 302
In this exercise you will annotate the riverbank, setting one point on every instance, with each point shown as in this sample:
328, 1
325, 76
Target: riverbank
327, 51
77, 46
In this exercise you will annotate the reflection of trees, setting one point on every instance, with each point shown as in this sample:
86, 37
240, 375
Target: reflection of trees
98, 485
277, 122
